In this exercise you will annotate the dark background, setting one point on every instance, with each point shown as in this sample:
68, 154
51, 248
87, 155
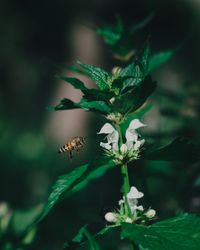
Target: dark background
38, 35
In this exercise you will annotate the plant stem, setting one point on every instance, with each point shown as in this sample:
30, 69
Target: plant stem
124, 172
120, 134
126, 185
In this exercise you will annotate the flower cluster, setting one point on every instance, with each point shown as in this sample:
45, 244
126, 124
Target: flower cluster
126, 151
134, 213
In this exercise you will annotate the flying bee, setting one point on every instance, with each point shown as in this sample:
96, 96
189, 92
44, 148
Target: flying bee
76, 143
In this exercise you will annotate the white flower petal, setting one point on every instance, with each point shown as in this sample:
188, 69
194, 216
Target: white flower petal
138, 144
115, 146
140, 208
133, 204
121, 202
131, 135
106, 129
132, 201
113, 137
136, 123
133, 208
134, 194
105, 145
129, 144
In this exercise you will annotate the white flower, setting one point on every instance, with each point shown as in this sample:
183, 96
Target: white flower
110, 217
132, 136
106, 129
112, 137
129, 150
135, 124
151, 213
134, 194
133, 197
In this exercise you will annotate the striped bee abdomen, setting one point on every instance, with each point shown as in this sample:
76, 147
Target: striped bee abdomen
76, 143
63, 149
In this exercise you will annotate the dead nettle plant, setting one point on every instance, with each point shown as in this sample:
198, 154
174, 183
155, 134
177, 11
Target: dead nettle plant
120, 97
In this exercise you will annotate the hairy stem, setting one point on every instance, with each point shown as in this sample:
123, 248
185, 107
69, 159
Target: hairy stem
125, 186
125, 177
120, 134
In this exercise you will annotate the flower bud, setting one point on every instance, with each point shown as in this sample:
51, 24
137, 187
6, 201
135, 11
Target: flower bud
110, 217
123, 148
151, 213
128, 220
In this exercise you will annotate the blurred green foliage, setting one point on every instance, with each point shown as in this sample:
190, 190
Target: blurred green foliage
34, 38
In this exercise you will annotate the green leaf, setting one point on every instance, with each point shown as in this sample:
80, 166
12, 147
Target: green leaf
137, 70
80, 235
159, 59
132, 100
121, 38
178, 150
66, 104
76, 83
96, 106
139, 113
64, 184
179, 233
144, 58
92, 242
76, 180
119, 81
83, 232
100, 76
112, 34
95, 94
90, 94
79, 239
110, 37
95, 170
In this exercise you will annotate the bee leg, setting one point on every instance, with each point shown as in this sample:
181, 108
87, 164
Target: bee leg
70, 154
